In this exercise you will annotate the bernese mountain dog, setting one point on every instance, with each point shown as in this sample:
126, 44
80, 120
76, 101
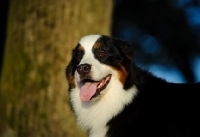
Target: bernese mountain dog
112, 97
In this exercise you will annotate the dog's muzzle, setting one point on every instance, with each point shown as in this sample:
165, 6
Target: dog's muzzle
90, 88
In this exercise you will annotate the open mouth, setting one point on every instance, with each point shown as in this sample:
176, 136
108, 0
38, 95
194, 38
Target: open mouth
91, 88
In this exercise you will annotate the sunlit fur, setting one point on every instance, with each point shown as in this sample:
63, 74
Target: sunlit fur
135, 102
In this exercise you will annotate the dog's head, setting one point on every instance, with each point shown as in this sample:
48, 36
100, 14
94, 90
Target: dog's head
97, 62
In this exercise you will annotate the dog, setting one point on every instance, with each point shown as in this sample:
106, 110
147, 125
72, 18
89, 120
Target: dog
112, 97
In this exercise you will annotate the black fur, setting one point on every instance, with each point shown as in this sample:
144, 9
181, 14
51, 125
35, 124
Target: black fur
160, 109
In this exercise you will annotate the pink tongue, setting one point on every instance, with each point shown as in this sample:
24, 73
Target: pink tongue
87, 91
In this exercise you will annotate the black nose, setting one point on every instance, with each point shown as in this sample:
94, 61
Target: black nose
84, 69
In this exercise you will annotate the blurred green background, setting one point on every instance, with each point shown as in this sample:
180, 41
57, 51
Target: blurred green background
40, 36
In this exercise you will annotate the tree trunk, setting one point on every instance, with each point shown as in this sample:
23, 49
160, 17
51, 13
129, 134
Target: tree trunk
40, 37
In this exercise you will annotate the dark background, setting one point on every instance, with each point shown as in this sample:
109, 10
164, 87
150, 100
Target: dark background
3, 20
165, 35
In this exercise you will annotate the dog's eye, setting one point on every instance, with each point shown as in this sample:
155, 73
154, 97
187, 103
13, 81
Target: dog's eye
79, 56
102, 54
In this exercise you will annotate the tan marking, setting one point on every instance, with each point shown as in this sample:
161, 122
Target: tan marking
122, 74
71, 78
97, 45
80, 48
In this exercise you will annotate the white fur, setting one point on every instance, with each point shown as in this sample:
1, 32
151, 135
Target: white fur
95, 114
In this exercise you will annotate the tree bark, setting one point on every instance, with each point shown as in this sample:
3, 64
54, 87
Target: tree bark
33, 87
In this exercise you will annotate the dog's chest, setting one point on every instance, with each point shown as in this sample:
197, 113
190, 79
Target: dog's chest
100, 132
93, 116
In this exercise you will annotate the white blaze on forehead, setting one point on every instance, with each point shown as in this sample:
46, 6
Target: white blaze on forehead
87, 42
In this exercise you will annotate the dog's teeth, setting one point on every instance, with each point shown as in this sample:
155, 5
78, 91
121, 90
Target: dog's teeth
103, 83
99, 86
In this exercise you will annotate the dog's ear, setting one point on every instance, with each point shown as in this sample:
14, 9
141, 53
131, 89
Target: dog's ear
125, 48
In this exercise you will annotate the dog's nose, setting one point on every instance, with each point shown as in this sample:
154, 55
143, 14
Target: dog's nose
84, 69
